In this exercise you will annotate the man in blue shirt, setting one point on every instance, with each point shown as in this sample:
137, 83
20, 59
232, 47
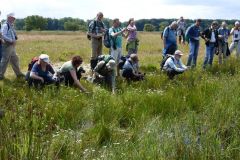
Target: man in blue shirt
170, 39
223, 35
193, 34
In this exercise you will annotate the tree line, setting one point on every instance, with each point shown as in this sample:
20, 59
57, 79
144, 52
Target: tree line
40, 23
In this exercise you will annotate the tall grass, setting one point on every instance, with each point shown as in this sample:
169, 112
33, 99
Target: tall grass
195, 116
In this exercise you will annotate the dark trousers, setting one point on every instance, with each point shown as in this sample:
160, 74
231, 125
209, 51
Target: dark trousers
128, 74
38, 83
68, 78
0, 51
171, 73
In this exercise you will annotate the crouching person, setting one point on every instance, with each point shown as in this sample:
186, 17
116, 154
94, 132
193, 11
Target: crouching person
130, 69
173, 65
104, 72
71, 71
42, 72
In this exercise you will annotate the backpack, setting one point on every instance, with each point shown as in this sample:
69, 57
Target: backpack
107, 39
163, 32
164, 61
33, 61
122, 61
105, 58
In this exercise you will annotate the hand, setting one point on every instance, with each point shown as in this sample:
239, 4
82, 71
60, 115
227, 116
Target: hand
103, 30
42, 80
101, 77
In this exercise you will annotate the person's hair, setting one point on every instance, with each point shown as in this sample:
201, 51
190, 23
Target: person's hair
129, 21
134, 57
115, 20
100, 13
198, 20
76, 60
214, 23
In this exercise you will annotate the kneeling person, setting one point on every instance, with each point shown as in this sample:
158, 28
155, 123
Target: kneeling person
174, 66
42, 72
131, 70
72, 73
104, 72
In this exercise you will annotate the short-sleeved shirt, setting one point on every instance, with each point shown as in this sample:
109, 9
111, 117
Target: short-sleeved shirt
117, 40
236, 34
132, 32
170, 35
225, 33
38, 70
66, 67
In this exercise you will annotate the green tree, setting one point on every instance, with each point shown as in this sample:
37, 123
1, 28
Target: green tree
162, 25
35, 22
149, 28
71, 26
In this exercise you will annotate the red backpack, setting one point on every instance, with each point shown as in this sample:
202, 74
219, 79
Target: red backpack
33, 61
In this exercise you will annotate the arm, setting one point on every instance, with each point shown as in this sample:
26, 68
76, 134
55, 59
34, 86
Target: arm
97, 68
113, 82
173, 66
232, 31
130, 28
33, 75
117, 33
4, 34
76, 81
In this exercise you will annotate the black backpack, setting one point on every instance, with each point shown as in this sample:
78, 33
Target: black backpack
107, 39
164, 60
122, 61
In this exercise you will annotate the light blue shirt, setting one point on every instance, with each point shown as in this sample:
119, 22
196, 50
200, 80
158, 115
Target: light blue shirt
117, 39
8, 33
174, 64
170, 35
130, 65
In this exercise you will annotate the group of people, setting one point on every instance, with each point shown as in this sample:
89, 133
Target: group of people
216, 41
105, 68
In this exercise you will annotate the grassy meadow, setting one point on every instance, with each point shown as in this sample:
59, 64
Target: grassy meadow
195, 116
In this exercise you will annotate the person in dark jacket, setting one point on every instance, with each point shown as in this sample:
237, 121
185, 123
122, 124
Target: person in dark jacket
210, 36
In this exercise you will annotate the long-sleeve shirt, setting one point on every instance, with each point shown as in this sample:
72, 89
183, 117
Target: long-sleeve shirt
8, 33
224, 32
95, 27
174, 64
193, 32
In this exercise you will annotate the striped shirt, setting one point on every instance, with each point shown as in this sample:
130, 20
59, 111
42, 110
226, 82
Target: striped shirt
96, 26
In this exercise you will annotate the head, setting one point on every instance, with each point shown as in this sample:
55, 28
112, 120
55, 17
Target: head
116, 23
99, 16
174, 25
76, 61
131, 22
111, 65
237, 24
198, 22
134, 58
44, 59
214, 25
11, 18
224, 24
178, 54
181, 18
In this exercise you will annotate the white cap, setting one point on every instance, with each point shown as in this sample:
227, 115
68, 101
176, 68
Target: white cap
178, 52
111, 64
236, 23
11, 15
44, 57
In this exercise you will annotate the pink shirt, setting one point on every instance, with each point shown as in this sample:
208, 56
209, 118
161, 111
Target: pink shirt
132, 32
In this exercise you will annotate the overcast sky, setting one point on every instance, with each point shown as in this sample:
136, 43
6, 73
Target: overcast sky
123, 9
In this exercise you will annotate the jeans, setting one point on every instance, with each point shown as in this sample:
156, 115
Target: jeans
128, 74
171, 73
210, 50
235, 45
192, 58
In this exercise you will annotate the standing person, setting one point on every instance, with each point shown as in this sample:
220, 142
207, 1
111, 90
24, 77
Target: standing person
116, 34
193, 36
72, 73
132, 40
223, 34
95, 33
170, 39
235, 32
174, 66
8, 51
181, 30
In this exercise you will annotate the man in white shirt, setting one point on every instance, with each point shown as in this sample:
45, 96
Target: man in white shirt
9, 37
174, 66
235, 32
